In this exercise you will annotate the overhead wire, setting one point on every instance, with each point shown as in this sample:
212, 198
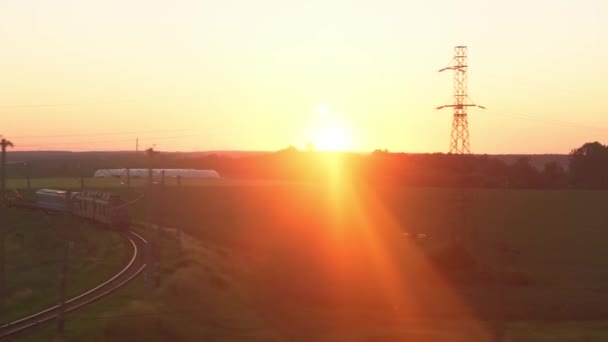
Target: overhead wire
73, 104
101, 142
67, 135
547, 120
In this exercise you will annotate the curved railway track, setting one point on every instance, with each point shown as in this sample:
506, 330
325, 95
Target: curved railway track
133, 268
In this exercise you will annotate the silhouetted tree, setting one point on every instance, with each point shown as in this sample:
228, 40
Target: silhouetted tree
554, 176
523, 175
496, 172
589, 165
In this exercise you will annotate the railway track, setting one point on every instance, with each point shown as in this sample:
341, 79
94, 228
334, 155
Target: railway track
133, 268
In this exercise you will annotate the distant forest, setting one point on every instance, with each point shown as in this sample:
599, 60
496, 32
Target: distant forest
585, 167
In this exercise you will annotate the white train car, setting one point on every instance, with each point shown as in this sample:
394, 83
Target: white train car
156, 173
55, 200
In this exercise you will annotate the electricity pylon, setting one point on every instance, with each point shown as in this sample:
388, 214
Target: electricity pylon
459, 143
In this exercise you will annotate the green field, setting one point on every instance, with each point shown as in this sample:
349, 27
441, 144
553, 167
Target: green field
330, 262
35, 249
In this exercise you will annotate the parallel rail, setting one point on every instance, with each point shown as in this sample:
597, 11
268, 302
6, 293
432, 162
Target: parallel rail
133, 268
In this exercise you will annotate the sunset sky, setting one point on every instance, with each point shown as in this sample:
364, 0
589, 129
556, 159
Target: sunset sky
265, 74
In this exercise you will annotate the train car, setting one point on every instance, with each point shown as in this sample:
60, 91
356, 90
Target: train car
55, 200
104, 207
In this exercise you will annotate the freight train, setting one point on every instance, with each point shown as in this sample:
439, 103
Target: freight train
99, 206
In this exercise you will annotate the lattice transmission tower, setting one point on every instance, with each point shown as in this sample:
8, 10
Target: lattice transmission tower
459, 142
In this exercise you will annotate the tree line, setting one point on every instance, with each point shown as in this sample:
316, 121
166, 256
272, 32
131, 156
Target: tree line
587, 167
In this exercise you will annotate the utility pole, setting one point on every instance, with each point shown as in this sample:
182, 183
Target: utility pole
2, 262
459, 143
62, 288
148, 220
150, 153
81, 176
162, 201
2, 167
28, 171
128, 178
148, 224
178, 227
4, 233
147, 269
4, 143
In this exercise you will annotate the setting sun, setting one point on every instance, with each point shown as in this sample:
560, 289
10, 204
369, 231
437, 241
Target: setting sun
328, 133
331, 136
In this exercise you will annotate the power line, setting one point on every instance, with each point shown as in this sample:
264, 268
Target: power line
88, 143
102, 134
67, 104
81, 104
548, 121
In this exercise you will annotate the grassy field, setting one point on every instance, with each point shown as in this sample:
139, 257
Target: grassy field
35, 247
331, 262
197, 301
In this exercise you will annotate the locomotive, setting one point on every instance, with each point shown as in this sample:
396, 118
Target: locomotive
103, 207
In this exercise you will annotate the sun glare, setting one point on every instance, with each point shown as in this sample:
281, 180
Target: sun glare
328, 133
331, 137
322, 110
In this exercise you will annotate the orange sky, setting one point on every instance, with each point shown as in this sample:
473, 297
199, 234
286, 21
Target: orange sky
206, 75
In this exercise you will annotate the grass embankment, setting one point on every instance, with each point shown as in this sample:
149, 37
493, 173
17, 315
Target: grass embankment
323, 262
330, 263
35, 249
197, 300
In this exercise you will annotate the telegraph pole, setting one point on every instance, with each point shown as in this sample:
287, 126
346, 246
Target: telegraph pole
149, 153
178, 229
3, 228
62, 288
149, 252
4, 233
81, 176
162, 211
459, 143
4, 144
28, 171
2, 262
